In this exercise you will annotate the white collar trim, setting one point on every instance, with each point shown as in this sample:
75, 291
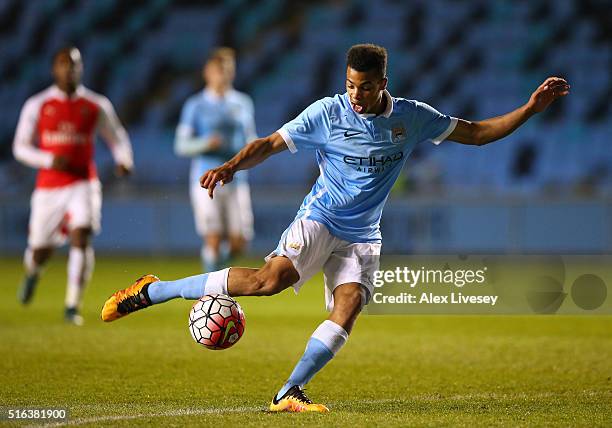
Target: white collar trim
388, 109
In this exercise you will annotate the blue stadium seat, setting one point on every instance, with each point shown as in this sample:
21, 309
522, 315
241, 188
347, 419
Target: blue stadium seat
477, 58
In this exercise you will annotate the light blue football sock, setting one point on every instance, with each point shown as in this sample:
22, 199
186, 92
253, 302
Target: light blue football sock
224, 254
210, 265
188, 288
325, 342
313, 360
192, 287
210, 260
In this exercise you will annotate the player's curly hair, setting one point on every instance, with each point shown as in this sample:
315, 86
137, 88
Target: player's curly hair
367, 57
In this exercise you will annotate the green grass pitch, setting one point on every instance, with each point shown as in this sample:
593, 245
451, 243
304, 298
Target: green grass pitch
394, 371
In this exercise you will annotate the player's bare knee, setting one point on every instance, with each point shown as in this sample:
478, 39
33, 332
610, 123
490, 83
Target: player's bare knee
41, 255
80, 237
349, 298
349, 307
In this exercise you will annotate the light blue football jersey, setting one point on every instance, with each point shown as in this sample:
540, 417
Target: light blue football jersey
230, 116
359, 157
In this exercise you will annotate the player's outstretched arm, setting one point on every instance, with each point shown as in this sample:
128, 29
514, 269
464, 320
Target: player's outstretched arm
116, 137
252, 154
24, 147
187, 145
489, 130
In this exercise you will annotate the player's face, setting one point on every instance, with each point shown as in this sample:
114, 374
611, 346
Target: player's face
219, 73
364, 89
67, 69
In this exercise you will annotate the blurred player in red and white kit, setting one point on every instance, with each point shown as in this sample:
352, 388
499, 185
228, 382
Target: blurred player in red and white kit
56, 135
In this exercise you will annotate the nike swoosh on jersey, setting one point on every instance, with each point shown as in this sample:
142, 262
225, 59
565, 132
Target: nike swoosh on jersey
352, 134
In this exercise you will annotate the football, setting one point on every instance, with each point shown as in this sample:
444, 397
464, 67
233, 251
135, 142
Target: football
216, 321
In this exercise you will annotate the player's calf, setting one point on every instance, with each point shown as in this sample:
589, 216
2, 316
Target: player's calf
272, 278
257, 284
27, 288
33, 261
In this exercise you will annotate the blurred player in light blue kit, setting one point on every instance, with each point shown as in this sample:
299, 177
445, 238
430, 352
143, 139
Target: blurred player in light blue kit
215, 124
362, 139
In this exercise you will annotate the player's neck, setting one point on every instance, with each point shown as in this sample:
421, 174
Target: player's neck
380, 106
69, 90
220, 90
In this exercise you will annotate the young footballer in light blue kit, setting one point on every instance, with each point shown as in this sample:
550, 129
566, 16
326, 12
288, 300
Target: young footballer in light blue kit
362, 139
214, 125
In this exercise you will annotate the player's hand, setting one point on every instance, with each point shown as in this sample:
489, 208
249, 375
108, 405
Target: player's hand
122, 171
222, 174
60, 163
214, 142
547, 92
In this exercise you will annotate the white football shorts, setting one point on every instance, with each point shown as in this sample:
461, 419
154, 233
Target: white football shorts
229, 212
57, 211
310, 247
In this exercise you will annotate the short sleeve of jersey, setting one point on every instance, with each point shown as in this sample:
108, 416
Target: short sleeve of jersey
310, 130
186, 124
433, 125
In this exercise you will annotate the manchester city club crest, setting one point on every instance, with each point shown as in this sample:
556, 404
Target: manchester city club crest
398, 133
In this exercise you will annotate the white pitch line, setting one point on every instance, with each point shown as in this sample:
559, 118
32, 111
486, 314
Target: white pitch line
183, 412
221, 410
